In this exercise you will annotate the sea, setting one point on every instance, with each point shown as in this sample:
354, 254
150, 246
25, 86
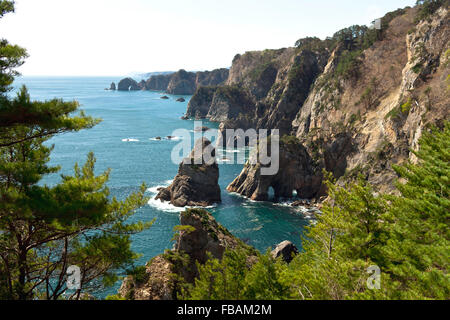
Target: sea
125, 141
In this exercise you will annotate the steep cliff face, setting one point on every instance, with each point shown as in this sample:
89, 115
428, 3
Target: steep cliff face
182, 83
266, 86
200, 103
357, 102
297, 173
367, 122
199, 235
211, 78
228, 102
158, 82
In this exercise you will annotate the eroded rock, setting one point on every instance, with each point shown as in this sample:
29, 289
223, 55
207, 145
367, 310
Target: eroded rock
196, 183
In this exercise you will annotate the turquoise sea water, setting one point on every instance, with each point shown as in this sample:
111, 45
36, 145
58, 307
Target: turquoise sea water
123, 142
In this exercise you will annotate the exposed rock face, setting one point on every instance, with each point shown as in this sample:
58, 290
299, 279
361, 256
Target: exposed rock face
128, 84
112, 87
196, 183
203, 235
228, 102
158, 82
211, 78
200, 103
156, 284
296, 173
350, 123
266, 86
214, 239
286, 250
182, 83
185, 83
366, 123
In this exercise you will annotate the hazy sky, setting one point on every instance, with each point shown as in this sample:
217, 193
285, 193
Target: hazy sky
118, 37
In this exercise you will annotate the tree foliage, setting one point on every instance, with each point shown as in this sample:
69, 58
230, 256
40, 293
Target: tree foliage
44, 230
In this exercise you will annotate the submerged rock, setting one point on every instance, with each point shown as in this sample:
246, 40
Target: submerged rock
165, 97
286, 250
197, 181
181, 100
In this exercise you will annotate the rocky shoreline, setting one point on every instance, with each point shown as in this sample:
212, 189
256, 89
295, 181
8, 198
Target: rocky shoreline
199, 235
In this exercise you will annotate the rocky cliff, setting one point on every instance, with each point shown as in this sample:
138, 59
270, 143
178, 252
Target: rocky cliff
357, 102
297, 173
197, 181
199, 235
128, 84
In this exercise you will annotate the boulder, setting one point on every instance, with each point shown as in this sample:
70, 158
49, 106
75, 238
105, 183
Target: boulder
165, 97
197, 181
286, 250
181, 100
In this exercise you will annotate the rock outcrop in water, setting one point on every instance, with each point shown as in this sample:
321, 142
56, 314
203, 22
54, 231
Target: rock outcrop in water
200, 234
128, 84
296, 173
112, 87
197, 181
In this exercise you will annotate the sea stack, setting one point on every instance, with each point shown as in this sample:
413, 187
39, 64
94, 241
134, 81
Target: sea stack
197, 181
128, 84
112, 87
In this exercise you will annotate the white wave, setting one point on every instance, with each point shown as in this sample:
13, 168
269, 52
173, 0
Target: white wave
130, 140
154, 139
228, 150
168, 207
174, 138
164, 206
155, 188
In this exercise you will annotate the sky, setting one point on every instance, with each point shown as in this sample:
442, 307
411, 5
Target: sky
118, 37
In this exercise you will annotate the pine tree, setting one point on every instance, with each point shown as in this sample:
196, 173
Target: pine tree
418, 250
46, 230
